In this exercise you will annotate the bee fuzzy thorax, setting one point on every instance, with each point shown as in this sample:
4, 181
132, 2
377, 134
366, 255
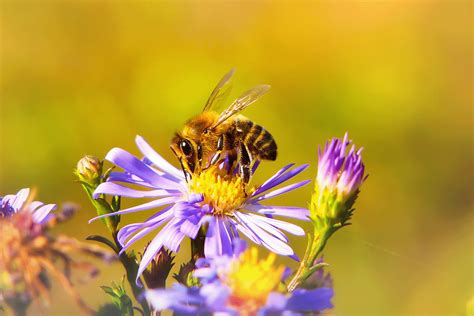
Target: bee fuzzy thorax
222, 191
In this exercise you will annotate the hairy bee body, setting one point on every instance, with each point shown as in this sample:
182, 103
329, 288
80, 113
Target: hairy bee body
236, 136
211, 137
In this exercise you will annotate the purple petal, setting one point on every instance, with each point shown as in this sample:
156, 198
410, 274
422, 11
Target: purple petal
259, 221
16, 201
287, 211
117, 189
310, 300
272, 178
239, 246
157, 160
129, 178
218, 240
40, 215
33, 206
280, 191
244, 229
173, 237
126, 232
155, 245
133, 165
191, 226
216, 295
291, 228
204, 273
226, 239
182, 300
276, 302
148, 226
269, 241
280, 179
145, 206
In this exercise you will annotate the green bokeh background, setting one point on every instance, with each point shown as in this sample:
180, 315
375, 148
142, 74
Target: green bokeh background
82, 77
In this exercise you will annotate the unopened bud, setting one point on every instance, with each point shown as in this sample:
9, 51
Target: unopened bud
340, 175
155, 276
89, 169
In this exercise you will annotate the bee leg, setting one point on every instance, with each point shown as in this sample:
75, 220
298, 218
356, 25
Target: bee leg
220, 147
245, 170
232, 162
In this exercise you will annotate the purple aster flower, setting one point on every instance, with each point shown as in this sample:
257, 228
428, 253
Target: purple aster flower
15, 203
215, 198
241, 284
338, 170
340, 175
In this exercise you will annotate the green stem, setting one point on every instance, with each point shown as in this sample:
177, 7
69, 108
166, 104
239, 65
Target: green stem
102, 207
131, 269
313, 250
128, 262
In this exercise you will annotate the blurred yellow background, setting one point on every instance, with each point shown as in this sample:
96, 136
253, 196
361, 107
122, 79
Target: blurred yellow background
82, 77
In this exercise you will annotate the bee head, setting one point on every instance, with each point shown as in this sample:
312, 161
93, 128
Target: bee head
187, 151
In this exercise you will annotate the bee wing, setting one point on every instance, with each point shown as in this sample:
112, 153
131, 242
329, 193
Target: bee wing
220, 92
242, 102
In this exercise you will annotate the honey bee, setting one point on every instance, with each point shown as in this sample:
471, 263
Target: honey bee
210, 137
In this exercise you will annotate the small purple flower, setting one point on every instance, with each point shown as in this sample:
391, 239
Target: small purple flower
215, 197
14, 203
241, 284
340, 175
338, 170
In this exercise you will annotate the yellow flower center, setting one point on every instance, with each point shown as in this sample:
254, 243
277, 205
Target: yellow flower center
223, 192
251, 280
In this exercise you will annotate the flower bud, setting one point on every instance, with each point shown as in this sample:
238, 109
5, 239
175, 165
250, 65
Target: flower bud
155, 276
89, 169
339, 178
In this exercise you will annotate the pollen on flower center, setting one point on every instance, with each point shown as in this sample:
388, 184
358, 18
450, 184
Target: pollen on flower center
251, 280
223, 192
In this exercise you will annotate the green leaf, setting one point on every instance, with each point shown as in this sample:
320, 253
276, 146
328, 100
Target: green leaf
103, 240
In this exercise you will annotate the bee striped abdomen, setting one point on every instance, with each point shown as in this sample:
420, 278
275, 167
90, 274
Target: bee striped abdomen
259, 141
266, 146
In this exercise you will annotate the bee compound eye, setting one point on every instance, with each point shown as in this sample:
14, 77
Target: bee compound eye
185, 147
